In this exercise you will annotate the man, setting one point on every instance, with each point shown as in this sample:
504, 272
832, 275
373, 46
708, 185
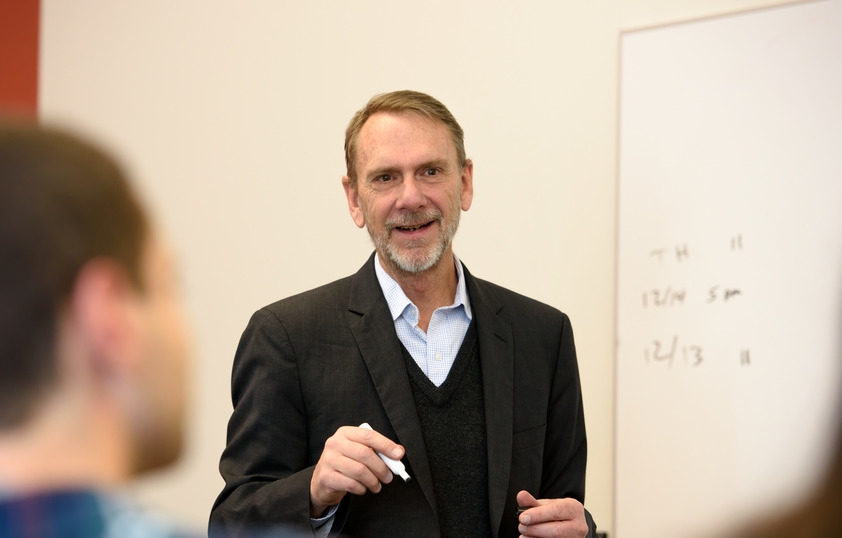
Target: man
473, 387
93, 354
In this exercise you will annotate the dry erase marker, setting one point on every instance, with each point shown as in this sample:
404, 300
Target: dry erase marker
394, 465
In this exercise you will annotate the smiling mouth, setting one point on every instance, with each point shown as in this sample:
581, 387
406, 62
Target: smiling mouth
413, 228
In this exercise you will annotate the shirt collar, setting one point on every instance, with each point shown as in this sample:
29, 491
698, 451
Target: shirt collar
398, 301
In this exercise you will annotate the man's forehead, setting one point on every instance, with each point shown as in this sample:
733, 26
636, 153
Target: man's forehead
402, 121
388, 135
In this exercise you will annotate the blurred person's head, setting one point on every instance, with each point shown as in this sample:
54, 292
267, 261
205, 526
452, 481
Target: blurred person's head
92, 342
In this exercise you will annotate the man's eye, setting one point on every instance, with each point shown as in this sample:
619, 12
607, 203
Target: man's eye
431, 171
383, 178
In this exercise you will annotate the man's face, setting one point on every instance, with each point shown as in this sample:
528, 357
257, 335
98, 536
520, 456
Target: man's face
163, 362
410, 189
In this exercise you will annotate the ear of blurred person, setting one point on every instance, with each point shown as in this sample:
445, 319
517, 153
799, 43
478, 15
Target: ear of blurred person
94, 353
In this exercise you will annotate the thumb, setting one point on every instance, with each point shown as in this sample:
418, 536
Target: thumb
524, 498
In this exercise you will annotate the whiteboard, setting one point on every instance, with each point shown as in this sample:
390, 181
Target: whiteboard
729, 278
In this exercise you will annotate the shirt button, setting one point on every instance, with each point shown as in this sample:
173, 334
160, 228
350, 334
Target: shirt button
438, 356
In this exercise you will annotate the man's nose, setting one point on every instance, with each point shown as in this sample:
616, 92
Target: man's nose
410, 196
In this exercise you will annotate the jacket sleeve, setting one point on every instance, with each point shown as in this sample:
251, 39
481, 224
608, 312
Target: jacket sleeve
566, 444
266, 463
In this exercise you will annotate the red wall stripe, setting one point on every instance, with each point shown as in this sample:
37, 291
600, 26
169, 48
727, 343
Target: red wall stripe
19, 31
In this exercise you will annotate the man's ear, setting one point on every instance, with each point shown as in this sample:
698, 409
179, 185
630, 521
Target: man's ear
354, 206
103, 307
467, 184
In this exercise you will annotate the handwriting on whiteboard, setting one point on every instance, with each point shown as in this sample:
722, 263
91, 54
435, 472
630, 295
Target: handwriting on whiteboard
676, 297
689, 354
674, 349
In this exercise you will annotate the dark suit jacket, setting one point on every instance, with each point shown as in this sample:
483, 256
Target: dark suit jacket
330, 357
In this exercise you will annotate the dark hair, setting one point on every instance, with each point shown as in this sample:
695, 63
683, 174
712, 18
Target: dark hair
63, 202
403, 101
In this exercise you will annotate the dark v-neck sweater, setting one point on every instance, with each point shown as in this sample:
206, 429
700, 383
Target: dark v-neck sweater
453, 421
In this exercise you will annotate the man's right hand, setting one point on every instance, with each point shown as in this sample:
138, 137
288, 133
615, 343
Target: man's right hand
349, 464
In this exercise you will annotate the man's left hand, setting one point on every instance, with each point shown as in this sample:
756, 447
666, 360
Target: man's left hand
563, 518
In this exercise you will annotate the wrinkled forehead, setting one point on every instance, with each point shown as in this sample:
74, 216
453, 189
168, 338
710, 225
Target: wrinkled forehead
404, 137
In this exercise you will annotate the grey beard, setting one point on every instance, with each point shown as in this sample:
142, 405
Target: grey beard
417, 264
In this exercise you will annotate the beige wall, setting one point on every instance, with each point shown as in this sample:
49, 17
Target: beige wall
231, 117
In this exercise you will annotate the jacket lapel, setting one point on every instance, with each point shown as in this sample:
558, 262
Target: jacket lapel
497, 359
373, 329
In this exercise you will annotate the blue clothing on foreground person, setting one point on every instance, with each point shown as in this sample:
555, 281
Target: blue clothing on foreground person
81, 514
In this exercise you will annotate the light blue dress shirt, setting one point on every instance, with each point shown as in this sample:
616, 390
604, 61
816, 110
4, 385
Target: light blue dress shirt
435, 350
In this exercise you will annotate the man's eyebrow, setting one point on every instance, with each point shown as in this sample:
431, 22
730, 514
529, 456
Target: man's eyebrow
434, 163
394, 169
379, 171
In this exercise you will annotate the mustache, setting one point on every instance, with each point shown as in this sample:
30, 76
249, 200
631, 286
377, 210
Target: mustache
406, 220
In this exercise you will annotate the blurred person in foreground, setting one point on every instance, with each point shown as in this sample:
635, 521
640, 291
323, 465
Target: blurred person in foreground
93, 347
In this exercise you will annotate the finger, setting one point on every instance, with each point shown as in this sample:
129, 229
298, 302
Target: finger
525, 503
377, 441
353, 460
347, 443
555, 517
363, 464
384, 447
342, 474
366, 455
335, 484
552, 510
555, 529
577, 528
525, 499
565, 509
